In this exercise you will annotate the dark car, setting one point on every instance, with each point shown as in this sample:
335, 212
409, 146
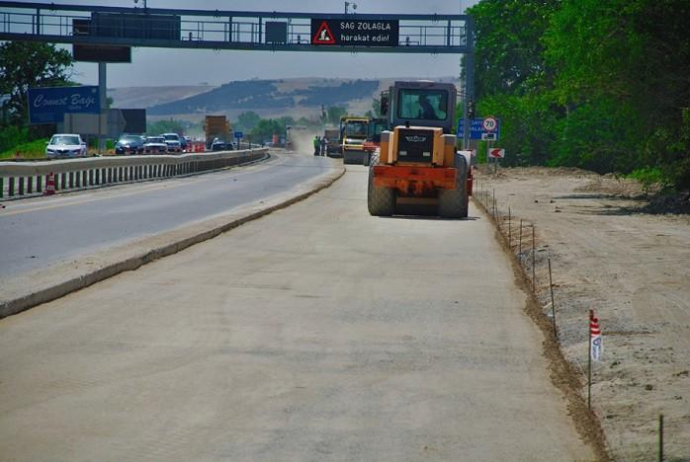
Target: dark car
185, 143
220, 144
129, 144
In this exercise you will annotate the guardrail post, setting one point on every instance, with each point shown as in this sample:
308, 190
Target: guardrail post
63, 180
30, 186
10, 192
2, 187
39, 183
71, 180
77, 179
90, 177
21, 185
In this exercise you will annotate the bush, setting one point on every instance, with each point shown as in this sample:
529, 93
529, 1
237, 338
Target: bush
11, 136
30, 150
649, 176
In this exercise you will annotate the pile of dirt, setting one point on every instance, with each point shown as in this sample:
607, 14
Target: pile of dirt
619, 187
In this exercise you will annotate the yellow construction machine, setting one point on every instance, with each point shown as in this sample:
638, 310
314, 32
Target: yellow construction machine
418, 169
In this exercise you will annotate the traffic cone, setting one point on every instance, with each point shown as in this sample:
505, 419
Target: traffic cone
50, 185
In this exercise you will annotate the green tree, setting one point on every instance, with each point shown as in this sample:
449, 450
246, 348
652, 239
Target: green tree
247, 121
334, 113
265, 129
509, 56
622, 77
25, 65
167, 126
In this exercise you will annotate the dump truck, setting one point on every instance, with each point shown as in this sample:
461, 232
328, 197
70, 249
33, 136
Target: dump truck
353, 134
217, 126
417, 168
333, 147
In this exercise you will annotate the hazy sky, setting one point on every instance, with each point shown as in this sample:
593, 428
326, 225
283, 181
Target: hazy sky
156, 66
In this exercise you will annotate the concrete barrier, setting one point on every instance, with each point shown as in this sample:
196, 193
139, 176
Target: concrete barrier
22, 179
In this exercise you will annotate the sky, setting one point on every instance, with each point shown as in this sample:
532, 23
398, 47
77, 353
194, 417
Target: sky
156, 66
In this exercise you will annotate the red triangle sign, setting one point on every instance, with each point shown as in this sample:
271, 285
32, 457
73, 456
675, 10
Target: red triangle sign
323, 35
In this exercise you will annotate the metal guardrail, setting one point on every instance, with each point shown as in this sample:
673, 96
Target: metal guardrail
22, 179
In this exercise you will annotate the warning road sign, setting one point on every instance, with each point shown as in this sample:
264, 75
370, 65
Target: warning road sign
355, 32
323, 35
497, 153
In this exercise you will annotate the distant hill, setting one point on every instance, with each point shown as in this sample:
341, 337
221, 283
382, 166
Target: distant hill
146, 97
269, 94
269, 98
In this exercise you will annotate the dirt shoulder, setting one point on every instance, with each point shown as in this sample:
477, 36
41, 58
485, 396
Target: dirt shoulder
633, 269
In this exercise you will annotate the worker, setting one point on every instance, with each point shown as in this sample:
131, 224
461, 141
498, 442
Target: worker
317, 145
427, 110
324, 144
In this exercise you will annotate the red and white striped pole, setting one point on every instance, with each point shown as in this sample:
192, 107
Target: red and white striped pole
593, 351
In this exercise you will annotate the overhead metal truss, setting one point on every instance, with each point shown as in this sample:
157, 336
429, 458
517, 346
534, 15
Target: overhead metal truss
228, 30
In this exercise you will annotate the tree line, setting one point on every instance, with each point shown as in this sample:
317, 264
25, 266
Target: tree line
597, 84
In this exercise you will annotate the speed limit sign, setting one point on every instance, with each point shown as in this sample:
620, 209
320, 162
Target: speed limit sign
490, 124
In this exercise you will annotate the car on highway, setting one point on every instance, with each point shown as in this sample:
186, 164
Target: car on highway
129, 144
155, 145
173, 142
65, 146
186, 143
219, 144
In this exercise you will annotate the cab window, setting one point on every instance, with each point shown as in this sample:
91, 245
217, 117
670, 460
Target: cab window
417, 104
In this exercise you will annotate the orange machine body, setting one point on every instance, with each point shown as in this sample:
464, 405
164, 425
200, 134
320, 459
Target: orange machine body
412, 179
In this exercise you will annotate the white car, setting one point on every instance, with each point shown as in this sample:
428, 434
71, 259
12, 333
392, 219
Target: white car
155, 145
173, 142
65, 145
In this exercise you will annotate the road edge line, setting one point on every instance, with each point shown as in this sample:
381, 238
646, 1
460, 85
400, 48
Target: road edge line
61, 289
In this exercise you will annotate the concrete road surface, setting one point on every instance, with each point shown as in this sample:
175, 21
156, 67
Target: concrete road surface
42, 231
318, 333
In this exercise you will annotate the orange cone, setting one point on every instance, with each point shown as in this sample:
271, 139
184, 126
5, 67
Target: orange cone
50, 185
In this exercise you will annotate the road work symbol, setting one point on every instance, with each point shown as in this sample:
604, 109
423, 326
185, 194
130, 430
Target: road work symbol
323, 35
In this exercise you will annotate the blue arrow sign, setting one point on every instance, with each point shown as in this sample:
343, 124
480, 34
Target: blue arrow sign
239, 135
477, 129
